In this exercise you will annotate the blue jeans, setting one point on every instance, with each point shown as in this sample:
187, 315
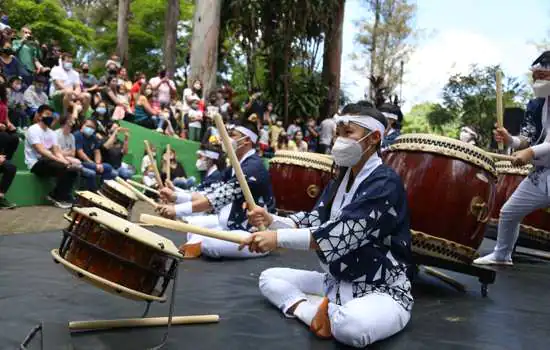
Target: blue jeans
107, 174
124, 172
185, 184
159, 122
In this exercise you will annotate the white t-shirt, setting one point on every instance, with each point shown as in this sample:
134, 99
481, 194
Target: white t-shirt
188, 93
164, 89
37, 135
264, 136
65, 142
328, 127
69, 79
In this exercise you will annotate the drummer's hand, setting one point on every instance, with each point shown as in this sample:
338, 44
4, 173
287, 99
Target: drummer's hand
502, 135
258, 217
167, 195
170, 184
260, 242
167, 210
525, 156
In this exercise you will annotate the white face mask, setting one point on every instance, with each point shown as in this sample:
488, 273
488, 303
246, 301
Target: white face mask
201, 165
541, 88
348, 152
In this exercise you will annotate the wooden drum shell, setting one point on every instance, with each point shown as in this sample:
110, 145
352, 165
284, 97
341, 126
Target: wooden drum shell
114, 191
298, 179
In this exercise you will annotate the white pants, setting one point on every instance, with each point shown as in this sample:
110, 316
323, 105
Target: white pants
525, 199
357, 322
215, 248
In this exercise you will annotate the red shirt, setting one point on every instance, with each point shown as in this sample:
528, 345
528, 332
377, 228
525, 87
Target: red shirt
135, 89
3, 113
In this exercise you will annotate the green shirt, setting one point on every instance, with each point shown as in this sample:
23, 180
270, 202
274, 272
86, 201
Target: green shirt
27, 53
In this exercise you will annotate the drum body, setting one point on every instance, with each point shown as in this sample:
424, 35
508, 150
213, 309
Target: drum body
118, 194
86, 199
450, 190
118, 251
298, 179
535, 227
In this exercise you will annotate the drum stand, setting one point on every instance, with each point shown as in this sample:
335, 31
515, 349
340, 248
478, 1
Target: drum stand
56, 336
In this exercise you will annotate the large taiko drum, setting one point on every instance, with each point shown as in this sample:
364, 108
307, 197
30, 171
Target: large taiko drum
298, 178
85, 199
535, 227
117, 255
450, 189
119, 194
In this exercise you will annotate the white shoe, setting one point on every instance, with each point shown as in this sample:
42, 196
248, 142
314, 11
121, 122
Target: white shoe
491, 260
159, 130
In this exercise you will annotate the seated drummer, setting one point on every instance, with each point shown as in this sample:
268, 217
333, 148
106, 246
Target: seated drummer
225, 198
534, 145
359, 229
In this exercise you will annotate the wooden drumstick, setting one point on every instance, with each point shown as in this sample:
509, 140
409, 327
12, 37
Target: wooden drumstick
500, 121
142, 186
140, 322
138, 194
235, 164
185, 227
153, 162
169, 151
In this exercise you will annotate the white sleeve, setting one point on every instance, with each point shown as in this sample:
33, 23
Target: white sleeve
184, 209
33, 136
183, 197
541, 150
280, 222
294, 238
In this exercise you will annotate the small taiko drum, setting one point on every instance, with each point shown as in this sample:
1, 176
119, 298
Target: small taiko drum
85, 199
298, 178
119, 194
450, 190
535, 227
117, 255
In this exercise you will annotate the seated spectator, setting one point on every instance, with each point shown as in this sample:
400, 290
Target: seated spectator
16, 103
35, 95
67, 145
139, 80
8, 137
274, 133
178, 176
211, 134
298, 144
123, 79
294, 127
112, 66
88, 150
113, 150
43, 157
66, 85
282, 142
10, 65
123, 108
147, 169
210, 162
8, 170
144, 114
89, 81
101, 114
28, 52
164, 87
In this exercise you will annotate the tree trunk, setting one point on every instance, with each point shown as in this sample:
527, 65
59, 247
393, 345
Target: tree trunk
374, 44
122, 30
204, 45
170, 35
332, 62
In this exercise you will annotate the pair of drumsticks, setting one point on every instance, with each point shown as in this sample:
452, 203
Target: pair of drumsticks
184, 227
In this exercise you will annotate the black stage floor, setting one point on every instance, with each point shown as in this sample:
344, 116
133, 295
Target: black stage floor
516, 315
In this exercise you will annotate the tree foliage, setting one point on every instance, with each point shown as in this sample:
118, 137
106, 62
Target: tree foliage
384, 40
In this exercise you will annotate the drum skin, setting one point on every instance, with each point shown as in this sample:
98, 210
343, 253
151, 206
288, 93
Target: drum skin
118, 197
84, 202
441, 191
297, 188
113, 268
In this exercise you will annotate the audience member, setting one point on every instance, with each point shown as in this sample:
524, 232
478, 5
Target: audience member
113, 151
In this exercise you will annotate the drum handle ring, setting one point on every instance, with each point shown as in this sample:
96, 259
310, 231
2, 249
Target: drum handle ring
479, 208
313, 191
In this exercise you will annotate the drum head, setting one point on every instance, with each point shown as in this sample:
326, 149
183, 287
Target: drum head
444, 146
317, 161
131, 230
102, 283
103, 202
505, 167
120, 188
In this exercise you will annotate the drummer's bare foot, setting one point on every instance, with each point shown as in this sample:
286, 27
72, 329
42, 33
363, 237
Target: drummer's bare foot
190, 251
320, 325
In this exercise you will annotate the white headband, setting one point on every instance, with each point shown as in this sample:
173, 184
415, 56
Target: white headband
209, 154
390, 115
251, 134
365, 121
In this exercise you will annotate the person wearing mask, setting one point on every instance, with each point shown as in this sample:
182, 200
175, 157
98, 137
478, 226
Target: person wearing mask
44, 158
112, 66
16, 103
148, 171
274, 133
531, 146
67, 146
9, 141
294, 128
178, 176
66, 84
312, 134
191, 97
28, 52
210, 162
328, 132
89, 81
35, 95
101, 114
139, 80
144, 114
165, 88
298, 144
88, 150
123, 79
360, 232
393, 115
113, 151
10, 65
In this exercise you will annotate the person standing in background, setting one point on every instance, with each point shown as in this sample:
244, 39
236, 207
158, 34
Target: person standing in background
328, 131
